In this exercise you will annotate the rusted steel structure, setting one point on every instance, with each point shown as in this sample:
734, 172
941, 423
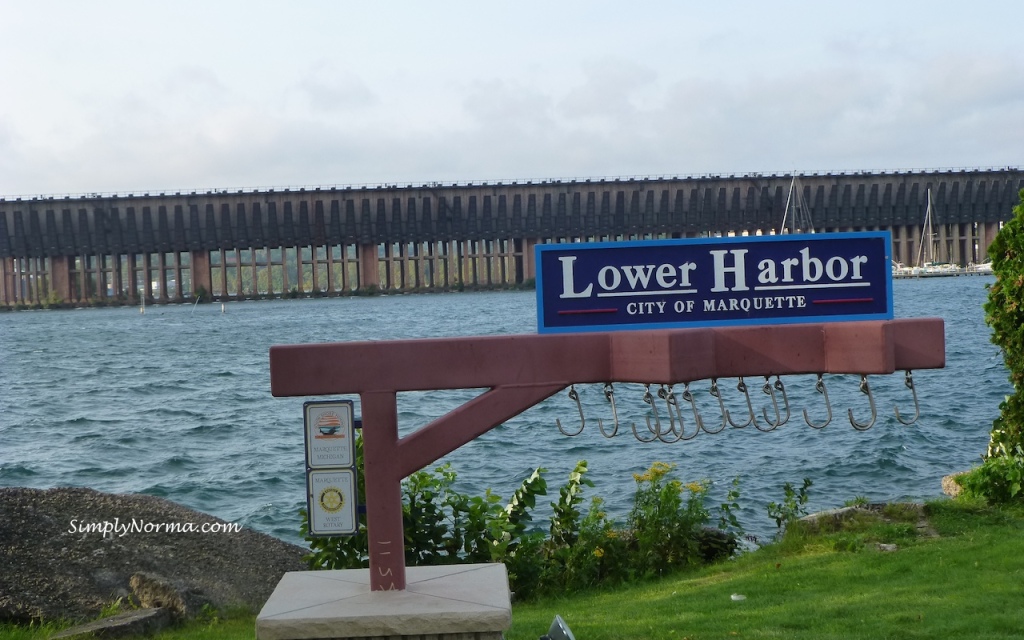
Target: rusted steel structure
171, 247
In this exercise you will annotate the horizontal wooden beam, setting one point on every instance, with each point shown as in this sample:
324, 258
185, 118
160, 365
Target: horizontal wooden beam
667, 356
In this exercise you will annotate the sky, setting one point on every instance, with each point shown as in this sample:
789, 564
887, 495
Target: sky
130, 96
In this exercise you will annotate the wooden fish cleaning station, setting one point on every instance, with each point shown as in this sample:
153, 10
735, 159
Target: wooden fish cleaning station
652, 312
518, 371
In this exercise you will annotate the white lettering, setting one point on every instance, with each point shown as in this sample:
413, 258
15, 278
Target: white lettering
836, 268
606, 284
810, 263
787, 269
857, 261
568, 285
767, 275
109, 529
684, 273
644, 308
666, 276
639, 274
736, 269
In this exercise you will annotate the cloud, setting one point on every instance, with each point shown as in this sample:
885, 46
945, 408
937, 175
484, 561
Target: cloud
327, 89
693, 98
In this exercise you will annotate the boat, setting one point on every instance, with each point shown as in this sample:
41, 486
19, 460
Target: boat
985, 268
900, 270
925, 266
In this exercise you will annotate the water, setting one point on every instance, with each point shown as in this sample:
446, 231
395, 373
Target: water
176, 403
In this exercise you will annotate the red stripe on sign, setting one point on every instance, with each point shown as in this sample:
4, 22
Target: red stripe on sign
577, 312
844, 300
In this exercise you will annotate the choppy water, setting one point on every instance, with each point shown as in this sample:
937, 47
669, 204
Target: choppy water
176, 403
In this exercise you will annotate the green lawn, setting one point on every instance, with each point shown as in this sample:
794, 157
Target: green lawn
968, 582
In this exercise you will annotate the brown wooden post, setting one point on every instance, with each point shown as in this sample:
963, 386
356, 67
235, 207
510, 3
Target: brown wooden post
382, 473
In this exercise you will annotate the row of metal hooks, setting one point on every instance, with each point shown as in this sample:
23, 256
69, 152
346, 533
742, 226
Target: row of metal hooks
672, 428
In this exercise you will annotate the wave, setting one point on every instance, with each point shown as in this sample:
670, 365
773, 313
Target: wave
11, 474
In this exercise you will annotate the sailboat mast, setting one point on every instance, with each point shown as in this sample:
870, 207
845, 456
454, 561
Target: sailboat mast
789, 199
926, 234
801, 218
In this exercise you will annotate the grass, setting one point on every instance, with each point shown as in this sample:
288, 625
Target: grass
967, 583
965, 579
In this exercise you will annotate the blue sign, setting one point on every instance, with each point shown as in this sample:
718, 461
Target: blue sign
606, 286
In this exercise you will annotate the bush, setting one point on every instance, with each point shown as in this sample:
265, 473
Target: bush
1004, 313
666, 530
666, 520
793, 505
998, 480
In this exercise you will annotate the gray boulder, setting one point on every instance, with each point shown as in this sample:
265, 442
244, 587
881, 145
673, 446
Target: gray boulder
57, 563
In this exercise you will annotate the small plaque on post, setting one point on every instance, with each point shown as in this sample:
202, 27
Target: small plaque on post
332, 502
330, 435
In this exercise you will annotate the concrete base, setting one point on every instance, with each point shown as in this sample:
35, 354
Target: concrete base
467, 602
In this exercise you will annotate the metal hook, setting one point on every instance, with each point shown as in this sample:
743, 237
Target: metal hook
819, 386
862, 426
721, 405
609, 394
909, 381
672, 421
688, 397
649, 399
770, 390
672, 407
742, 387
575, 396
785, 398
670, 400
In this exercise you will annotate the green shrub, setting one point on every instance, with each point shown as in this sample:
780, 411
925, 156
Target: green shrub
441, 525
998, 480
666, 530
1004, 313
793, 505
666, 520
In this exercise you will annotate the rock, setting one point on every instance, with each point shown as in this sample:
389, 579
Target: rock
715, 544
950, 486
55, 566
140, 622
832, 519
153, 591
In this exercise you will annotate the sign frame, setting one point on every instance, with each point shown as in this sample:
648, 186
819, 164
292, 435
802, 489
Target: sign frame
573, 305
339, 496
329, 433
